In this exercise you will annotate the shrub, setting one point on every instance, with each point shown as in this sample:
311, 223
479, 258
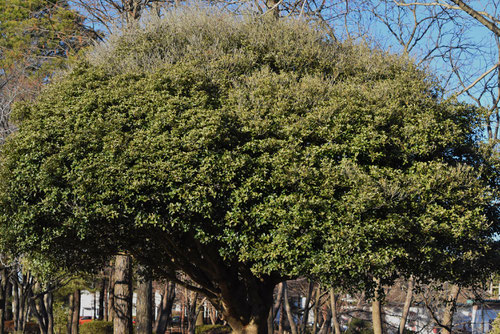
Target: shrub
213, 329
97, 327
495, 326
359, 326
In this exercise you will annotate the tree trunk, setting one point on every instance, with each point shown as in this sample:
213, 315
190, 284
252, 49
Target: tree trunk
316, 309
71, 304
307, 307
111, 297
15, 303
102, 296
246, 306
282, 319
274, 309
48, 300
8, 300
335, 318
75, 319
326, 323
167, 301
377, 311
3, 298
191, 310
291, 321
450, 310
407, 305
122, 311
144, 308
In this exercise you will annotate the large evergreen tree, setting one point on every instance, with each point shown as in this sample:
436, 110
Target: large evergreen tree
37, 37
245, 152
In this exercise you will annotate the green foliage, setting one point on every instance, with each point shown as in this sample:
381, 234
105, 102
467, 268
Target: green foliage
359, 326
97, 327
38, 35
495, 326
212, 329
258, 141
60, 313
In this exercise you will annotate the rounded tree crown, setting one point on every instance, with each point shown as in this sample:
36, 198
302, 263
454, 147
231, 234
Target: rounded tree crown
261, 142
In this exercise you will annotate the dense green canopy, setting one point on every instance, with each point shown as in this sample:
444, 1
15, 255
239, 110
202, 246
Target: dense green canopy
206, 141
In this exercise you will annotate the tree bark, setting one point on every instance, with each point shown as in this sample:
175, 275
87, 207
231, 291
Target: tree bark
15, 303
274, 309
407, 305
333, 305
111, 297
193, 308
102, 296
316, 309
48, 301
305, 317
8, 300
144, 317
71, 304
122, 310
3, 298
75, 318
246, 306
377, 311
450, 310
282, 318
167, 301
291, 321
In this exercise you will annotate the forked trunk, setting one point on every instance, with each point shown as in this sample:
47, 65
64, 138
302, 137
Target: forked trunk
274, 309
246, 307
293, 327
165, 309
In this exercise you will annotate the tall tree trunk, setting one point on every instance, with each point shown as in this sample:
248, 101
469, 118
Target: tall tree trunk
48, 300
282, 318
451, 304
316, 309
102, 296
122, 317
111, 292
407, 305
307, 307
15, 302
326, 322
71, 304
333, 306
291, 321
377, 310
75, 319
274, 309
193, 308
167, 301
3, 297
8, 300
144, 307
